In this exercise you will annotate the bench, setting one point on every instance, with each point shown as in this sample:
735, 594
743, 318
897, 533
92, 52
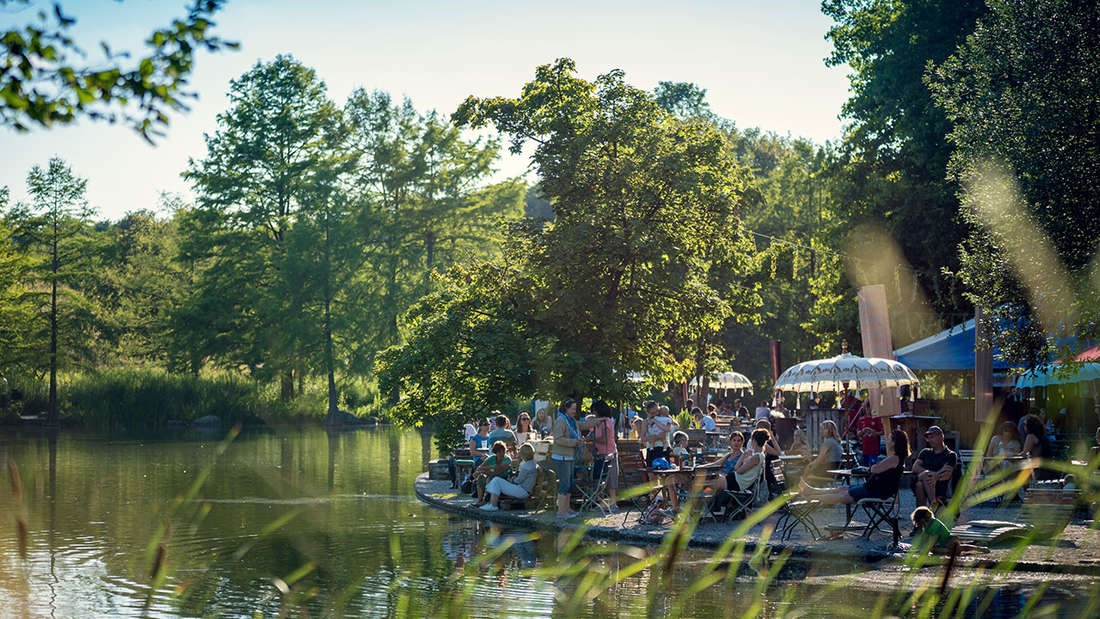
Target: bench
543, 496
1049, 510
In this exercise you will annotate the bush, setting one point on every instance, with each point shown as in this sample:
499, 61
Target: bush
132, 399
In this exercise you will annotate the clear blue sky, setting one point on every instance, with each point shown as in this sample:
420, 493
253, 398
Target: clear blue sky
761, 63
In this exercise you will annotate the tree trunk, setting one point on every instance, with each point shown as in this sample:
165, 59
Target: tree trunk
51, 413
329, 362
286, 385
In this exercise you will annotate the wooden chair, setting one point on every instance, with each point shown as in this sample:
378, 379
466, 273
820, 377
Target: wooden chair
543, 496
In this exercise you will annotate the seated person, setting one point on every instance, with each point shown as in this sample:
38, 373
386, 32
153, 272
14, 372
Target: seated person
1006, 443
502, 433
496, 465
520, 487
725, 479
681, 455
1037, 447
798, 443
479, 443
935, 536
882, 484
831, 454
933, 469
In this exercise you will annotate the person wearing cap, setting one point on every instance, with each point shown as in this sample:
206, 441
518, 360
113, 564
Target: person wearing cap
933, 469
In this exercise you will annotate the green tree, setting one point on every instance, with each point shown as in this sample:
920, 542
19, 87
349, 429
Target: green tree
140, 281
894, 164
42, 83
647, 211
426, 204
18, 303
260, 171
55, 224
1022, 94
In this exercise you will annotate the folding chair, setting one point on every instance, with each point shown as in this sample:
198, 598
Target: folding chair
879, 512
796, 511
593, 490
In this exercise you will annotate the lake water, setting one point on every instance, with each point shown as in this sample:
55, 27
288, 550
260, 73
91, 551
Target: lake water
305, 521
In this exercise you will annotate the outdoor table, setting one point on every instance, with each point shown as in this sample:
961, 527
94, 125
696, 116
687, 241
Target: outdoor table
662, 476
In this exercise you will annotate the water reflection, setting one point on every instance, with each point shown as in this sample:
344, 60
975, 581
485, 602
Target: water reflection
338, 505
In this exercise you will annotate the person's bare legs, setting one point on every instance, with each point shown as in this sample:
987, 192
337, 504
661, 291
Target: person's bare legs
829, 496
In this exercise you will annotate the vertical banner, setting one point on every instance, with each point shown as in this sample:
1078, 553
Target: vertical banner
874, 327
777, 364
983, 368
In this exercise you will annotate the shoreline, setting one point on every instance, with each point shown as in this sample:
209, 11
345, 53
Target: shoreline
1075, 552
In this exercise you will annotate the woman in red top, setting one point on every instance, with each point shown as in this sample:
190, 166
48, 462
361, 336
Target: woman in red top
603, 439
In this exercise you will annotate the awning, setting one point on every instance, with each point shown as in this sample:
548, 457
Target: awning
952, 349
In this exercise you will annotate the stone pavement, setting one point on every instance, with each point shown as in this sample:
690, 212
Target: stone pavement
1075, 551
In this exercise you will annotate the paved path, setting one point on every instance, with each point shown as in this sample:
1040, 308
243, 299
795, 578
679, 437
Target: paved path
1076, 551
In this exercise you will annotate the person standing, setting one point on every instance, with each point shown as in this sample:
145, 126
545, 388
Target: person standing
869, 428
564, 453
607, 450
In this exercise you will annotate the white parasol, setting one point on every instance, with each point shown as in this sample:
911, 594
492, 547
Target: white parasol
1057, 376
726, 380
859, 372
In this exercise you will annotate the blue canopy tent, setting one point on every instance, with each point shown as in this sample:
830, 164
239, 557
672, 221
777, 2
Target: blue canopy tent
952, 349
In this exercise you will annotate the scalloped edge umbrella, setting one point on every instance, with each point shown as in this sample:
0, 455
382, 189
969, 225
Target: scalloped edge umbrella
859, 372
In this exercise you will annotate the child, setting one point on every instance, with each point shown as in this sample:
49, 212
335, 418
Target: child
936, 536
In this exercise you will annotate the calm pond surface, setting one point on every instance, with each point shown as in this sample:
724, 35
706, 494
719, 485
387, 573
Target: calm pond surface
326, 520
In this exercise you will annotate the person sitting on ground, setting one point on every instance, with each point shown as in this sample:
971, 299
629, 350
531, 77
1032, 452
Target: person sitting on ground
882, 484
935, 536
502, 433
933, 469
496, 465
706, 420
1004, 444
798, 442
520, 487
830, 455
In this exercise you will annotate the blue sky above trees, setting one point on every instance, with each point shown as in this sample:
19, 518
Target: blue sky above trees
760, 62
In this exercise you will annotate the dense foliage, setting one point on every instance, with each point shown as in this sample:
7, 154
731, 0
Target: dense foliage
46, 78
329, 242
1021, 93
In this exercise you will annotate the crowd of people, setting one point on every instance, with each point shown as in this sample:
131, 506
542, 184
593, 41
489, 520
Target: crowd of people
568, 436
